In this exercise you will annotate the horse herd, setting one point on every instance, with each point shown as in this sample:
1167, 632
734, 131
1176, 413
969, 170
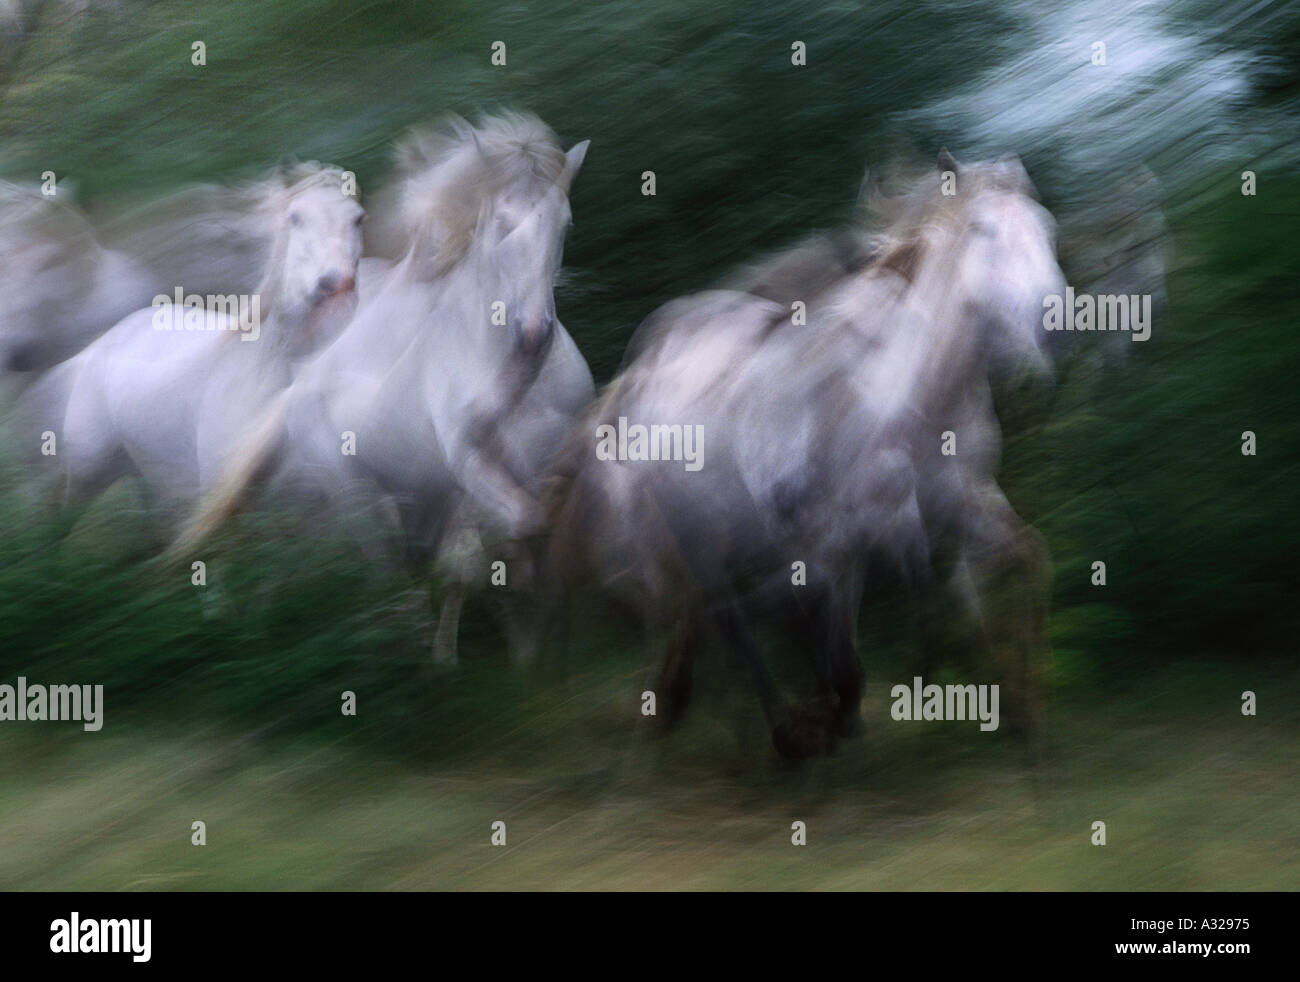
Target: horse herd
840, 395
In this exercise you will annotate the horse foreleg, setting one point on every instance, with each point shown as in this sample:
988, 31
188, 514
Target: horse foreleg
677, 675
523, 629
445, 639
790, 739
1013, 572
1032, 645
841, 668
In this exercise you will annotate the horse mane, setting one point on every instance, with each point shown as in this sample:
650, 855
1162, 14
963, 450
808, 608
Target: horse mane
809, 268
448, 173
895, 236
910, 225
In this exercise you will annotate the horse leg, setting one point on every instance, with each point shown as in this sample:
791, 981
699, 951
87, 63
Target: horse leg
444, 642
1013, 573
1033, 653
88, 472
677, 674
525, 614
553, 610
422, 532
456, 584
790, 738
951, 620
841, 668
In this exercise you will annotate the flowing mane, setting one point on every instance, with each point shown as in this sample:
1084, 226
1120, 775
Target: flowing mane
447, 175
913, 226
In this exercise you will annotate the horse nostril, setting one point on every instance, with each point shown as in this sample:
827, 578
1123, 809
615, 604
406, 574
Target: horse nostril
333, 284
531, 335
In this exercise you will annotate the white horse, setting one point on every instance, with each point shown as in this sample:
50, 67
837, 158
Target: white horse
59, 286
212, 238
823, 444
455, 380
173, 391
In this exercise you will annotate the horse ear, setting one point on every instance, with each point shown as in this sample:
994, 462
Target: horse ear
1013, 167
572, 163
947, 161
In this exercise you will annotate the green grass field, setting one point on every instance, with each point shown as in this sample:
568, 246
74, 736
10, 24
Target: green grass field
1194, 797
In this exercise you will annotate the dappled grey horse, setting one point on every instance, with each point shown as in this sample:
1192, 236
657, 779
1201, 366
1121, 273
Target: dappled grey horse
823, 443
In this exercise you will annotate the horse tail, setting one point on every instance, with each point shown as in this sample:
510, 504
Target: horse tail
223, 499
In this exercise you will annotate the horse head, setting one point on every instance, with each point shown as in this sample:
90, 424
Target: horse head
521, 230
977, 251
316, 249
1004, 261
492, 198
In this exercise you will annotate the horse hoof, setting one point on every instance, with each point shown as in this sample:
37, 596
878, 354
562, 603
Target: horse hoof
795, 742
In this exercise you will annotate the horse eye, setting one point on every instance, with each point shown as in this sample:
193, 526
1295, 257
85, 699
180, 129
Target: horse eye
360, 218
295, 218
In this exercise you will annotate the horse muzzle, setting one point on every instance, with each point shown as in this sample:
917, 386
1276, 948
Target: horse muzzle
335, 285
531, 336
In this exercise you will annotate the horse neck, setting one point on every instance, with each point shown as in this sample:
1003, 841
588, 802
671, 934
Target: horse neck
465, 293
933, 349
282, 318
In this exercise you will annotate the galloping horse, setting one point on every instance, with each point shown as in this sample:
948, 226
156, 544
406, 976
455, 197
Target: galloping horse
173, 391
61, 286
823, 444
455, 379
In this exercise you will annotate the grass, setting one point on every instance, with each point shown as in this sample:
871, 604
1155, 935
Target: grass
1195, 796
